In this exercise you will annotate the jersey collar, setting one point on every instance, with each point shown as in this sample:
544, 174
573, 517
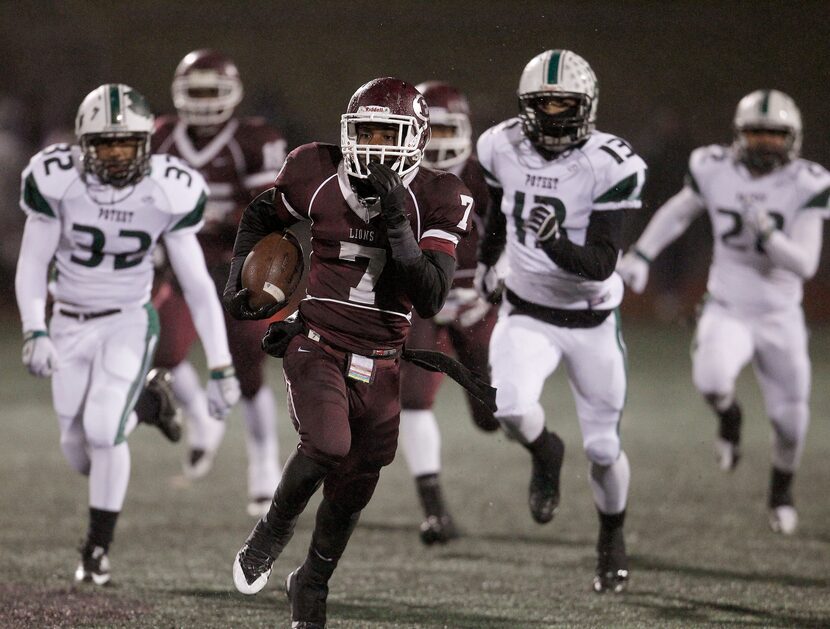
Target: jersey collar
197, 158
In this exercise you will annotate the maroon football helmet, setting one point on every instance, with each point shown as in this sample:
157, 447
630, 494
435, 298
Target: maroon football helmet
206, 88
448, 108
385, 101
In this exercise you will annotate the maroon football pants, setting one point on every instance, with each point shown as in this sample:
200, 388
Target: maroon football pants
178, 335
345, 424
419, 387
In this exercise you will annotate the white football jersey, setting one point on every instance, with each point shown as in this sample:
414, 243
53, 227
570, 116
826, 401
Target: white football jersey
741, 274
108, 234
603, 174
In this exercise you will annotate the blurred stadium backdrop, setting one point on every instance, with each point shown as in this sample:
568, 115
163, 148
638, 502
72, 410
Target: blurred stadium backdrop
670, 76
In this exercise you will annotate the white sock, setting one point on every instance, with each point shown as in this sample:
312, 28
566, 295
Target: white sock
421, 442
609, 484
260, 414
108, 476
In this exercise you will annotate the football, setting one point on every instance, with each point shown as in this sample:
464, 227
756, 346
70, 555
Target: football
273, 270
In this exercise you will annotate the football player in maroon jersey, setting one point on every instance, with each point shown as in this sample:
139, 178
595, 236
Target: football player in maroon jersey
239, 157
463, 325
384, 233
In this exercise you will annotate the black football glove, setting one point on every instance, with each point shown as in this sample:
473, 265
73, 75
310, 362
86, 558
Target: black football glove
391, 192
280, 333
236, 303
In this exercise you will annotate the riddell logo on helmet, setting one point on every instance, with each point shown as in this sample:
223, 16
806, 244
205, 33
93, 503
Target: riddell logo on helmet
373, 109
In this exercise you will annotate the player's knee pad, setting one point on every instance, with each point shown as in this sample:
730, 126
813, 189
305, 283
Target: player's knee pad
602, 450
523, 427
719, 401
352, 492
74, 447
711, 380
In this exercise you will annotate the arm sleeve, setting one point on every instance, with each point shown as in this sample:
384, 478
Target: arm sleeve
40, 241
598, 257
188, 264
800, 251
492, 242
670, 220
427, 281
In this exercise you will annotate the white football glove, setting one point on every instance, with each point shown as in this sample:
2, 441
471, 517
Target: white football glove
39, 355
488, 283
633, 268
760, 223
222, 391
542, 222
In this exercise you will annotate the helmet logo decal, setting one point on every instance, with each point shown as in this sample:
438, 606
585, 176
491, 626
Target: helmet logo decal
137, 104
419, 106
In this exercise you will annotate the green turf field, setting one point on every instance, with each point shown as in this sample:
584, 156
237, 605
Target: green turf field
701, 552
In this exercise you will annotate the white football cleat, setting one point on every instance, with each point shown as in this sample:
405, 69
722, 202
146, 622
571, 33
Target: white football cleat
251, 570
783, 519
727, 454
198, 463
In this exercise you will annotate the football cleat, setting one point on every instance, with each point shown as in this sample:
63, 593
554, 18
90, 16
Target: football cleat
308, 601
727, 454
438, 530
612, 565
198, 463
251, 569
783, 519
168, 419
258, 507
94, 566
543, 497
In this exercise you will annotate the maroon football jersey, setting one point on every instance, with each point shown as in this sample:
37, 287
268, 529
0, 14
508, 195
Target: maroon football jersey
473, 177
355, 298
238, 162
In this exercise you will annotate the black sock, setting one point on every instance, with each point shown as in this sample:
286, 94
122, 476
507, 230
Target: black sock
730, 423
780, 488
332, 530
547, 449
429, 491
101, 527
147, 407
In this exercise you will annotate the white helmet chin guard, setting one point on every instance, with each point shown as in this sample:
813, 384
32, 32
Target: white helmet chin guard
114, 112
767, 110
559, 74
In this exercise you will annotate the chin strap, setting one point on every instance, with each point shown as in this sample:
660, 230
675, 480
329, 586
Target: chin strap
440, 362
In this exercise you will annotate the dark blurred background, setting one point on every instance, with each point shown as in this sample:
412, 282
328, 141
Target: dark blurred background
670, 73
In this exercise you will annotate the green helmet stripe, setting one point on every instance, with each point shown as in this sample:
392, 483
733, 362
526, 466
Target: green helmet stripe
765, 102
553, 66
115, 105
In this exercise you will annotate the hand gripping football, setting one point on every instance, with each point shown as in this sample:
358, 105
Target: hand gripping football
272, 270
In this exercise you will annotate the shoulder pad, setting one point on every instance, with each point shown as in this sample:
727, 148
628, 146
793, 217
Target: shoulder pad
183, 187
47, 177
814, 180
619, 173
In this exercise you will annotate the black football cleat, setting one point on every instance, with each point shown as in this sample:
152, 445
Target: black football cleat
612, 564
158, 408
438, 530
94, 566
308, 600
543, 495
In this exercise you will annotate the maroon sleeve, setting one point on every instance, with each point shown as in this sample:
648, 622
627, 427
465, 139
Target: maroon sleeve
264, 150
304, 170
447, 213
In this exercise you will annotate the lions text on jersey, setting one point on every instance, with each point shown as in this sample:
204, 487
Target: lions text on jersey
601, 174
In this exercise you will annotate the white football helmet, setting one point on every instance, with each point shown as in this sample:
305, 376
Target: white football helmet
114, 111
560, 74
773, 111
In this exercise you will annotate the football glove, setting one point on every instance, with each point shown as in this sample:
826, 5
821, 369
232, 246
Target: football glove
391, 193
542, 222
39, 355
280, 333
761, 224
236, 303
222, 391
633, 268
488, 283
